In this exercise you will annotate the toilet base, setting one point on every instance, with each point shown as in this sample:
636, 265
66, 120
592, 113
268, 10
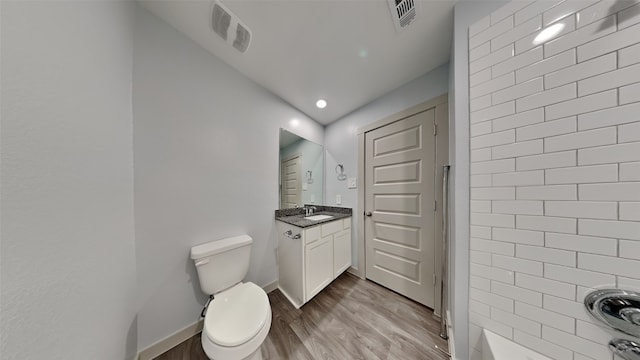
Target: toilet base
257, 355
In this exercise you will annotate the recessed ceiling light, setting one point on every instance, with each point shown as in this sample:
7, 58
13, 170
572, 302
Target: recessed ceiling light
321, 104
548, 33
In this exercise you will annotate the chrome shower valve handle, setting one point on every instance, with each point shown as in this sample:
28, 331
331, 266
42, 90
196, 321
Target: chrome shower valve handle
626, 349
619, 309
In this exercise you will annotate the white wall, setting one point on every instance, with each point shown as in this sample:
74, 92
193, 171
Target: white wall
465, 13
555, 172
206, 143
67, 252
341, 141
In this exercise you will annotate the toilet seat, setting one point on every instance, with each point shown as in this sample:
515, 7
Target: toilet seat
237, 322
236, 315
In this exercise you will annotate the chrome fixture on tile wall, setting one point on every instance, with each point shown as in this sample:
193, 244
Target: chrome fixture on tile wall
619, 309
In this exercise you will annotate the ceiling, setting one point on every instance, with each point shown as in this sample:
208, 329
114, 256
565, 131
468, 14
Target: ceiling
345, 51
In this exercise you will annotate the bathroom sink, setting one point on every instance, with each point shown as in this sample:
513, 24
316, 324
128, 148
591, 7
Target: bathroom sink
318, 217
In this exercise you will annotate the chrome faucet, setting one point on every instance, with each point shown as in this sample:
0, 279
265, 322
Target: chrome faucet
308, 210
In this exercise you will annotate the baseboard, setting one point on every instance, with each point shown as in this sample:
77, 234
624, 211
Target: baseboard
354, 271
184, 334
171, 341
270, 286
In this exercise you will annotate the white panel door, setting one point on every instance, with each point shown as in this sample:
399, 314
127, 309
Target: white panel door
291, 183
399, 201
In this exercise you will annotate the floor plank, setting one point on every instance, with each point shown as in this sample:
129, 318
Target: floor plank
350, 319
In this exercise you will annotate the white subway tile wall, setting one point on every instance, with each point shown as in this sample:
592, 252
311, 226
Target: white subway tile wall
555, 164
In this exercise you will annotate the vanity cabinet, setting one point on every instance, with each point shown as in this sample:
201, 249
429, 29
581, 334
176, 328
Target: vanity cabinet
341, 252
318, 266
311, 262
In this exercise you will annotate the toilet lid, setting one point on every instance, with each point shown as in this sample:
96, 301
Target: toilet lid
236, 315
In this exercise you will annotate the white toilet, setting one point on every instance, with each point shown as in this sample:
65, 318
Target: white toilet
239, 317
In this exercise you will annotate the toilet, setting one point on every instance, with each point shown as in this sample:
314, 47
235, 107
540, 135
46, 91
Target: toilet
238, 318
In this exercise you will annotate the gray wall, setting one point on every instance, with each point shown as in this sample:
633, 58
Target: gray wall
341, 141
465, 14
67, 252
206, 167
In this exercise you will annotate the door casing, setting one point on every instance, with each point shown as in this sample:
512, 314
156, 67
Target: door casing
441, 105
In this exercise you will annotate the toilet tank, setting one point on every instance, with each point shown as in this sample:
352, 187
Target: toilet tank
222, 263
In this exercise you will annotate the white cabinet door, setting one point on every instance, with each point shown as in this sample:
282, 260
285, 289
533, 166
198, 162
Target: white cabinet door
318, 266
341, 252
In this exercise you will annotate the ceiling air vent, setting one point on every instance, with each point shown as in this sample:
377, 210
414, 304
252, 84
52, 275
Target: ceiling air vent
221, 20
242, 38
229, 27
403, 12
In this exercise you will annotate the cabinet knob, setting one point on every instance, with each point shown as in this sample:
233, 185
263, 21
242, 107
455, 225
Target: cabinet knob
368, 213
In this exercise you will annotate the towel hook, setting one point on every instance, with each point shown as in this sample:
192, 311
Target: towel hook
341, 175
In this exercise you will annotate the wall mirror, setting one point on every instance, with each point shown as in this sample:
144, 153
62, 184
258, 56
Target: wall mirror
301, 171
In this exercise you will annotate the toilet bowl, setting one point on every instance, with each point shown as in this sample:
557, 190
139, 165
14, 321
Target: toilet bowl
236, 323
238, 319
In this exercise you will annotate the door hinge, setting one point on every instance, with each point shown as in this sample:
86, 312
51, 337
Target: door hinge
435, 129
435, 205
434, 279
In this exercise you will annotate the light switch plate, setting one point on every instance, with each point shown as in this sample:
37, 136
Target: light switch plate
351, 183
338, 199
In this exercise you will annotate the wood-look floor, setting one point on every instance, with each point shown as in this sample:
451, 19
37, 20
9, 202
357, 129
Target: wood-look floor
350, 319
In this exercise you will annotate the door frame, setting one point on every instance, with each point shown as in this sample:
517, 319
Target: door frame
440, 104
282, 161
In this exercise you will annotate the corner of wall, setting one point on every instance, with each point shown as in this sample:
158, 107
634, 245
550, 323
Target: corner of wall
465, 14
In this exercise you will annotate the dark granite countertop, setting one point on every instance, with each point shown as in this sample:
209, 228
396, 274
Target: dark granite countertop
296, 216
